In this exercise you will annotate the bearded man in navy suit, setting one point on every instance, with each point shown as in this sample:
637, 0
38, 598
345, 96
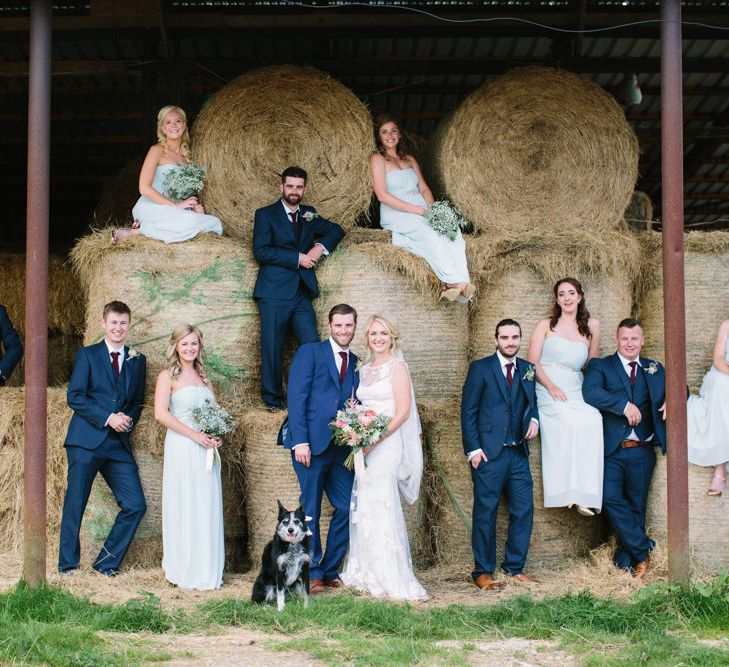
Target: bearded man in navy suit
288, 239
323, 376
106, 394
629, 390
498, 415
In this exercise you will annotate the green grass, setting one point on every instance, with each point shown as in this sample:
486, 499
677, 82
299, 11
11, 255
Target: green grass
662, 625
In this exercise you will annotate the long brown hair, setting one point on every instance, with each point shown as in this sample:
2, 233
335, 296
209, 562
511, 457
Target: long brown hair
403, 146
162, 139
173, 359
583, 315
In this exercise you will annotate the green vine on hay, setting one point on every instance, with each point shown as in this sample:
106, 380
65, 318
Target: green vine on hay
446, 484
221, 372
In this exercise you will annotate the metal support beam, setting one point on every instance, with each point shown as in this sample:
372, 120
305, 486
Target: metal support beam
673, 291
36, 294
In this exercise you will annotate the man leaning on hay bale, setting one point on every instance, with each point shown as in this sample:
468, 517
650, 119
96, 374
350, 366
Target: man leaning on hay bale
288, 239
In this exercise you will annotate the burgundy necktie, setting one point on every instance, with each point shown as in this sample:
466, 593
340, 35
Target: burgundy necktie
510, 374
343, 369
115, 363
294, 220
633, 371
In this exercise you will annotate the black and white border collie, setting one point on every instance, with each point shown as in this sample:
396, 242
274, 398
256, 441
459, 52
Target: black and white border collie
285, 561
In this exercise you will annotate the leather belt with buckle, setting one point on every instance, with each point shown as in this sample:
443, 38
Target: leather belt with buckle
628, 444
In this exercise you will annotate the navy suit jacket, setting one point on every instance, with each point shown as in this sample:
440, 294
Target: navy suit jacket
92, 395
315, 394
277, 249
485, 405
12, 348
607, 388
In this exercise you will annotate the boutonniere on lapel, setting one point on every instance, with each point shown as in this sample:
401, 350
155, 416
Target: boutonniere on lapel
132, 354
652, 368
529, 375
309, 216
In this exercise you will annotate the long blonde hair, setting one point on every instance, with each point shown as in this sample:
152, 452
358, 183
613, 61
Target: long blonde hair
173, 358
162, 139
391, 329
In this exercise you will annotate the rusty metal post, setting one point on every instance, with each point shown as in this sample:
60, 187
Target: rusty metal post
36, 294
673, 290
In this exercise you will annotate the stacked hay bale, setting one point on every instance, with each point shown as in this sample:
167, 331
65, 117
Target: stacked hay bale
375, 277
12, 442
707, 305
208, 282
517, 278
538, 148
66, 301
557, 534
639, 214
245, 163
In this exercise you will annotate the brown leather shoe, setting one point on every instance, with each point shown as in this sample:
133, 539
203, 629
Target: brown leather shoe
641, 568
486, 582
525, 579
333, 583
316, 586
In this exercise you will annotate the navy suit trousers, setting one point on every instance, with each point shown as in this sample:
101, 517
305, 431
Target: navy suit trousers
119, 470
326, 474
277, 315
626, 481
509, 474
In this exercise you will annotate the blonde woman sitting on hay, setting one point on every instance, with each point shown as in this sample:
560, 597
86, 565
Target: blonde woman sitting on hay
404, 198
156, 214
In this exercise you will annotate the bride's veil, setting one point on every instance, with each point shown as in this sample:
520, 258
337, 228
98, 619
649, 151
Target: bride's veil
410, 470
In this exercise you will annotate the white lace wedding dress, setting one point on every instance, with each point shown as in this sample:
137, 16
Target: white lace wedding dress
379, 561
193, 552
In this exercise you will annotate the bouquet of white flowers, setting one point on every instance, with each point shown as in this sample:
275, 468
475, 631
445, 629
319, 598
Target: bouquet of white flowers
445, 219
357, 427
215, 420
186, 182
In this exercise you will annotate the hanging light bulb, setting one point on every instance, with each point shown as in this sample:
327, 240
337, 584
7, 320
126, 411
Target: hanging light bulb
628, 91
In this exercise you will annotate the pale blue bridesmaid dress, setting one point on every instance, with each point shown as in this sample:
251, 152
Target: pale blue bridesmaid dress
171, 224
447, 258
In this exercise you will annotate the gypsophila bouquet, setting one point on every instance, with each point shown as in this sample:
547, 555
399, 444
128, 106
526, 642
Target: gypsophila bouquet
357, 427
185, 182
215, 420
445, 219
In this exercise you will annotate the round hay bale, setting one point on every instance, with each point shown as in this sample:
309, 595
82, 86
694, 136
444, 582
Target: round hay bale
639, 213
146, 548
538, 148
519, 279
12, 439
706, 292
377, 277
244, 164
118, 196
207, 281
708, 536
66, 296
558, 534
269, 476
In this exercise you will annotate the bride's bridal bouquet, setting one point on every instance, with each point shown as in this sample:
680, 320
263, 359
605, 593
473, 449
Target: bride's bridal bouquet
215, 420
358, 427
186, 182
445, 219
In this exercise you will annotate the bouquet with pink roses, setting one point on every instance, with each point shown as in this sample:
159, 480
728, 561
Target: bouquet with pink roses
358, 427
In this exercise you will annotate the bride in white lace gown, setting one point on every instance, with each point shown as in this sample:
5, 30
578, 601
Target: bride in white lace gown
379, 561
192, 497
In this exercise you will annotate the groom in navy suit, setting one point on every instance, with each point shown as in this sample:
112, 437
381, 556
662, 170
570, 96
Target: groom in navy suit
498, 415
288, 239
323, 376
629, 390
106, 393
